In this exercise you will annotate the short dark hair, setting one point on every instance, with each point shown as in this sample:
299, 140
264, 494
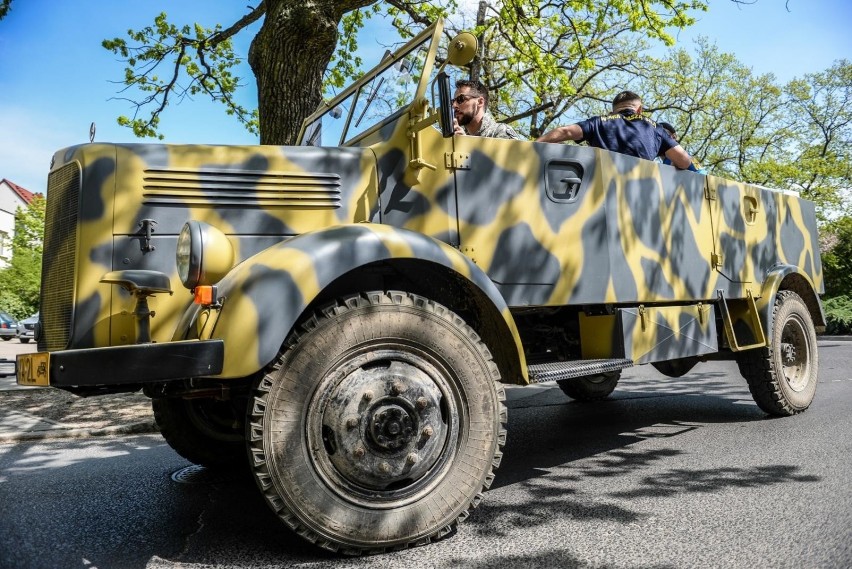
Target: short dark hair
475, 86
668, 127
624, 97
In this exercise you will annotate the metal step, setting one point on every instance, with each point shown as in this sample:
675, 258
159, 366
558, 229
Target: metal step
554, 371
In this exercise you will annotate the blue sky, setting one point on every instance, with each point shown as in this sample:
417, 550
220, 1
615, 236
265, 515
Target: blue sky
56, 79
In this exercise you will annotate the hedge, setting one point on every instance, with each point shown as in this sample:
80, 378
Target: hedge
838, 315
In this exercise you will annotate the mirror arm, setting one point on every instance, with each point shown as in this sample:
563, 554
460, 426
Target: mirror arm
428, 121
415, 125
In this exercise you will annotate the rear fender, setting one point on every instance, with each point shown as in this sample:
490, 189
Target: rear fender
265, 296
788, 277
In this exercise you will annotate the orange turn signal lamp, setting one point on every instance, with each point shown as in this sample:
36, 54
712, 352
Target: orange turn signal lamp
205, 295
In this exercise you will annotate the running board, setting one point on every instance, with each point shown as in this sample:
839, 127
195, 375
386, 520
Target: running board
554, 371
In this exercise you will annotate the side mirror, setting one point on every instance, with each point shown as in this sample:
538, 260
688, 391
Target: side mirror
462, 49
446, 104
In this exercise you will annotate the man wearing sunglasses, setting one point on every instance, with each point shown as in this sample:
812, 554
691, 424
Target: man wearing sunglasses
627, 131
470, 104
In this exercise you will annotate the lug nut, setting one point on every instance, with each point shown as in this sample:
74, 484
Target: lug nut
359, 452
368, 395
428, 431
384, 468
351, 422
422, 402
412, 458
397, 388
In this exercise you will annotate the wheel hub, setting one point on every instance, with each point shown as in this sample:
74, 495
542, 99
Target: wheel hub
391, 425
795, 359
789, 351
381, 425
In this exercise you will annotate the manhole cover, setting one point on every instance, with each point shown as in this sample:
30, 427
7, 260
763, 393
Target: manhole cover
197, 474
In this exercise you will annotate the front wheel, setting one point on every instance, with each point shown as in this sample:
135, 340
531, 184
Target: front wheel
380, 424
590, 387
25, 340
783, 377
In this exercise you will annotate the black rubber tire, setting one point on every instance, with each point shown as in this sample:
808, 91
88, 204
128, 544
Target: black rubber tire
590, 387
318, 424
25, 340
204, 431
7, 338
675, 368
783, 377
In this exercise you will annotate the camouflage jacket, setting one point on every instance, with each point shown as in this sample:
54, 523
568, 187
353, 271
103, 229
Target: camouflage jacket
493, 129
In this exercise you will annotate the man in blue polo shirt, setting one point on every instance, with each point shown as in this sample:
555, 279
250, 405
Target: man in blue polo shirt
626, 130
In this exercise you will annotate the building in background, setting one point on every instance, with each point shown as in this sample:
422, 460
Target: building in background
12, 197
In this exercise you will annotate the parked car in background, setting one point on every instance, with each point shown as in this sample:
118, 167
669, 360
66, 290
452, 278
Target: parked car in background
8, 327
26, 328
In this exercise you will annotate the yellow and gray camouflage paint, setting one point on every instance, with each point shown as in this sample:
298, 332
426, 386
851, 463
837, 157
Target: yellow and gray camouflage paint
519, 224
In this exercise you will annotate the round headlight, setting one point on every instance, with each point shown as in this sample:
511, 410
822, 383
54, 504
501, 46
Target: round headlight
188, 255
204, 254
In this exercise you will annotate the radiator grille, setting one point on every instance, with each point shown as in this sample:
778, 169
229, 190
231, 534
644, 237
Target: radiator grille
59, 258
241, 188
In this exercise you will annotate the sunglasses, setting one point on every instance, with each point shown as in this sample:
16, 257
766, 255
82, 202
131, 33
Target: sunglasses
462, 98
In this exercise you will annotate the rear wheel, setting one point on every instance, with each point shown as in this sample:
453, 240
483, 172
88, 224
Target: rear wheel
379, 426
783, 377
205, 431
25, 340
675, 368
590, 387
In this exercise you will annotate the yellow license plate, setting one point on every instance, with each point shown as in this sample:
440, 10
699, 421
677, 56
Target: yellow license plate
34, 369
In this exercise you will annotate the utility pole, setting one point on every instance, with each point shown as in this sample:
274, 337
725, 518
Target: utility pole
476, 64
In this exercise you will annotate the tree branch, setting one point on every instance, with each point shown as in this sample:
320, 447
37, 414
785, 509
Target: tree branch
238, 26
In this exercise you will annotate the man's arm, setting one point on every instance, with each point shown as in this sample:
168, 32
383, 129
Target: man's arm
562, 133
680, 158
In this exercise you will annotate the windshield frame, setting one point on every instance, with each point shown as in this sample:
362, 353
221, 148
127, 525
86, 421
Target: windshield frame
432, 34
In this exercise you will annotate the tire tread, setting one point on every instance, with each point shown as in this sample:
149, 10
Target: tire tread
264, 386
757, 367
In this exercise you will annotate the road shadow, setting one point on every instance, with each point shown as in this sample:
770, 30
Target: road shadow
555, 444
113, 512
113, 503
548, 429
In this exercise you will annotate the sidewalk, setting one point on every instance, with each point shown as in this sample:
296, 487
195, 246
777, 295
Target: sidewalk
34, 413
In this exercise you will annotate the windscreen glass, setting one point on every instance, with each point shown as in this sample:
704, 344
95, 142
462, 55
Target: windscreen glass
379, 99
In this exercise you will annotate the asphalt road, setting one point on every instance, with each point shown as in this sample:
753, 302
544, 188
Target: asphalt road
667, 474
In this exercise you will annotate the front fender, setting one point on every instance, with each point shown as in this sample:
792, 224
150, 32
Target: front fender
266, 295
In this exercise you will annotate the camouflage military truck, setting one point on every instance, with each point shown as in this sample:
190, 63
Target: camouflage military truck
343, 314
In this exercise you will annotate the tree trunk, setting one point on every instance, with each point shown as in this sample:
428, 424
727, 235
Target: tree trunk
288, 57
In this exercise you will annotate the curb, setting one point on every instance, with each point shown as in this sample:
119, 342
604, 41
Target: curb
834, 338
142, 427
